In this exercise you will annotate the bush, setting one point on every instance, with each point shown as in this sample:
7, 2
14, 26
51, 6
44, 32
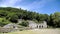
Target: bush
3, 21
24, 23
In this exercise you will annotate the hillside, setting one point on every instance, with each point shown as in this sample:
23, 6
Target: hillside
11, 15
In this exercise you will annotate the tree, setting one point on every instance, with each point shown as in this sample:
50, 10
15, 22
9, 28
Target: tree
3, 21
14, 18
24, 23
55, 19
3, 13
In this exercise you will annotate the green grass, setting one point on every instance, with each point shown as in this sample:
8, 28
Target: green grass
37, 31
22, 32
58, 28
1, 33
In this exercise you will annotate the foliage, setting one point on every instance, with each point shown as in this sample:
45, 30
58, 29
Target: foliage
13, 14
24, 23
55, 19
3, 21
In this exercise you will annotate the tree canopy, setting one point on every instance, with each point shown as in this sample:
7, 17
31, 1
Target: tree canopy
13, 14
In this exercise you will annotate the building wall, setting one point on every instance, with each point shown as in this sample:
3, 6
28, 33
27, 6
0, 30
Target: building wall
40, 25
32, 24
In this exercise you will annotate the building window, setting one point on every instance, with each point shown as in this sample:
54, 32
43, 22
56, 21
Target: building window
42, 26
39, 26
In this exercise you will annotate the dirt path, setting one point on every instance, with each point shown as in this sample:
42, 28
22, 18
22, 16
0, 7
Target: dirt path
47, 31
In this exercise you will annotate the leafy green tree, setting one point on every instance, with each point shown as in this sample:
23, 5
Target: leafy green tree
55, 19
3, 21
14, 18
24, 23
3, 13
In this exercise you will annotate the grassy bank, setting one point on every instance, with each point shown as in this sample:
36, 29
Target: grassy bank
37, 31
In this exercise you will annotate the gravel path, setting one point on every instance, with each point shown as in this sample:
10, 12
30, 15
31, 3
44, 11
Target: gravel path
46, 31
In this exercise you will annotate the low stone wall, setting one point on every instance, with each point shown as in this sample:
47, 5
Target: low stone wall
6, 30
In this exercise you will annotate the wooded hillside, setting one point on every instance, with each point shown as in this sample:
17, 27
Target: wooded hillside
11, 15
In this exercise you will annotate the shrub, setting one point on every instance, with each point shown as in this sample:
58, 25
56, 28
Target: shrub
3, 21
24, 23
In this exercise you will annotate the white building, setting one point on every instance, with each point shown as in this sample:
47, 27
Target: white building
32, 24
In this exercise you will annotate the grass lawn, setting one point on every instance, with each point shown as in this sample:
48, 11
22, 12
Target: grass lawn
37, 31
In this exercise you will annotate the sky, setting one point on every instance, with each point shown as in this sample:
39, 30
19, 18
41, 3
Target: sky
39, 6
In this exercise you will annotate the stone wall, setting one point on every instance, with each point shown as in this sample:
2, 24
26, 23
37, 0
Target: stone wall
6, 30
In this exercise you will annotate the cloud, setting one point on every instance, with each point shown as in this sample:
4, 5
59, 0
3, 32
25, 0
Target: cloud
11, 3
6, 3
39, 4
33, 5
36, 4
